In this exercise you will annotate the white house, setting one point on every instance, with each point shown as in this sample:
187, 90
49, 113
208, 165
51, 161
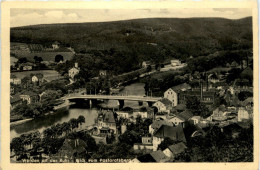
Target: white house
146, 64
175, 149
242, 114
171, 95
15, 81
35, 79
163, 105
175, 62
147, 143
195, 119
56, 45
176, 120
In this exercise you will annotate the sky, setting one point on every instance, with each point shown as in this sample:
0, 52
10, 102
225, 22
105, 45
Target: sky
23, 17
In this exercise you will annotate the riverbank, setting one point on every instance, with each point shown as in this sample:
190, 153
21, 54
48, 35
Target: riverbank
18, 122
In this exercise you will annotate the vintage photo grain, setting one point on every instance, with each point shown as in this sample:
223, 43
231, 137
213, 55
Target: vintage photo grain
131, 85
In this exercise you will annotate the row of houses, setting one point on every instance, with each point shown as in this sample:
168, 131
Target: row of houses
34, 78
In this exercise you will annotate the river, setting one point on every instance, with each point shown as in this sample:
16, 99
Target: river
64, 115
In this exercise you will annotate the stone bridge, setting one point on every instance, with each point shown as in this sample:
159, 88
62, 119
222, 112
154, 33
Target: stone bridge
120, 98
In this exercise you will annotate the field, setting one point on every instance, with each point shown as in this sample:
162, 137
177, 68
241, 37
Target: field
47, 74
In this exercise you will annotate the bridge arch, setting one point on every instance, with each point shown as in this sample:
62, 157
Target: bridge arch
59, 58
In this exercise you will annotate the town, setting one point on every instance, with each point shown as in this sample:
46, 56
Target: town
170, 109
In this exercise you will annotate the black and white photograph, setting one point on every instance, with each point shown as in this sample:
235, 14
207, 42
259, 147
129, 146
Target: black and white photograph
169, 85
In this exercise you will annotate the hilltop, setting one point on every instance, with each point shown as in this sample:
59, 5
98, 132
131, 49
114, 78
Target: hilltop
148, 38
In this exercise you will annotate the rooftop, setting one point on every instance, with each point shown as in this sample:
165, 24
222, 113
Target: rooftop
181, 87
166, 102
175, 133
177, 148
159, 156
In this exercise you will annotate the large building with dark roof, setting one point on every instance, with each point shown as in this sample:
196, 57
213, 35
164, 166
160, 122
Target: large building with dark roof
174, 133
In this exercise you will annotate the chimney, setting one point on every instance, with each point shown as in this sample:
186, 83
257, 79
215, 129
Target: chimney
76, 65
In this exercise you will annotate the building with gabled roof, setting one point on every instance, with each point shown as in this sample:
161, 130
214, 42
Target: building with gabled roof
174, 133
172, 93
163, 105
157, 124
15, 100
180, 118
159, 156
106, 122
175, 149
30, 97
71, 150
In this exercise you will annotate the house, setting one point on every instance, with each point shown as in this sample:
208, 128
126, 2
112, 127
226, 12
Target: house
163, 105
15, 80
26, 66
72, 150
175, 149
38, 78
143, 112
146, 64
15, 100
102, 73
219, 113
155, 156
195, 119
143, 158
106, 122
157, 124
30, 97
242, 114
73, 72
159, 156
248, 103
176, 120
181, 118
175, 62
35, 79
234, 64
124, 113
147, 143
174, 133
172, 93
56, 45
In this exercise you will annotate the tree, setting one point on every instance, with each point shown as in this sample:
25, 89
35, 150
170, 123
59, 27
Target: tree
17, 146
74, 123
196, 107
22, 60
81, 119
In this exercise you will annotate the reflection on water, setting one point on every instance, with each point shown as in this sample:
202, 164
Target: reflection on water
64, 115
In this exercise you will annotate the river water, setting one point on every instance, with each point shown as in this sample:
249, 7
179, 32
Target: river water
65, 115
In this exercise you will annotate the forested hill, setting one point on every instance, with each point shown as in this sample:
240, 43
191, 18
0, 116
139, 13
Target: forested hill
149, 38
